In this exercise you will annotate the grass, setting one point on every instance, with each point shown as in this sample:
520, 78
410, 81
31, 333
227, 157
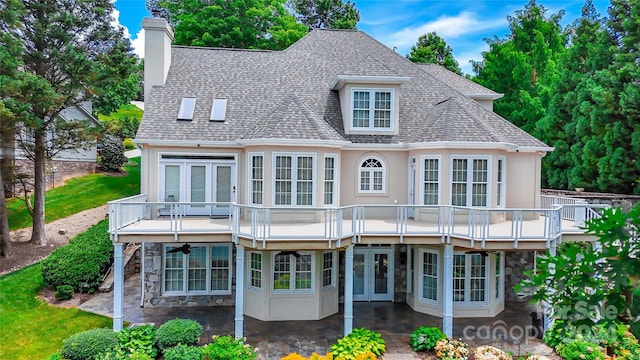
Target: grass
78, 194
31, 328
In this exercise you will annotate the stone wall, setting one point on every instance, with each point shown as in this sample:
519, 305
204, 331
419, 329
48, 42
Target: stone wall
153, 285
400, 274
517, 262
625, 202
64, 170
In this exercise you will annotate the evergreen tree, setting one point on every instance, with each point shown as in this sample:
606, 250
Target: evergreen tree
432, 49
326, 14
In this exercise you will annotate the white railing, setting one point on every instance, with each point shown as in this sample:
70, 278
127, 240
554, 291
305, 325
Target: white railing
134, 215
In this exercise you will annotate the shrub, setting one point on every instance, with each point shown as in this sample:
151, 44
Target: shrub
226, 347
88, 344
425, 338
580, 350
81, 263
360, 342
178, 331
120, 354
185, 352
128, 144
112, 156
618, 341
139, 339
56, 356
314, 356
490, 353
63, 292
452, 349
535, 357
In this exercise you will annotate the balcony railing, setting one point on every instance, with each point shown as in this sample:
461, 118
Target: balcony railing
136, 216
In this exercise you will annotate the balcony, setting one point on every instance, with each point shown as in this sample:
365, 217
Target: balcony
135, 219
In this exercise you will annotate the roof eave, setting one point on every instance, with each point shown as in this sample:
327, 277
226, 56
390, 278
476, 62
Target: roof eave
341, 80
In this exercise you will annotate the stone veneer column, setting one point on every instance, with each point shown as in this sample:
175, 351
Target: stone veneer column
118, 286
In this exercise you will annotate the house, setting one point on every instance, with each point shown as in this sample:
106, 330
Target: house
286, 183
64, 164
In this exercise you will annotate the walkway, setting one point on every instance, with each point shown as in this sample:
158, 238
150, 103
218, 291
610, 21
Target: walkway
278, 338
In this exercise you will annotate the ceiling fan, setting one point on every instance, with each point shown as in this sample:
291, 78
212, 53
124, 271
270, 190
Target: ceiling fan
185, 249
284, 253
484, 253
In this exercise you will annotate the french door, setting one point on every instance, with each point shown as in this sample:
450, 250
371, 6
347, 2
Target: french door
373, 273
199, 181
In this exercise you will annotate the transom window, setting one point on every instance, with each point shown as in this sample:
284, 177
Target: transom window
469, 181
294, 179
431, 181
202, 269
372, 109
293, 272
371, 176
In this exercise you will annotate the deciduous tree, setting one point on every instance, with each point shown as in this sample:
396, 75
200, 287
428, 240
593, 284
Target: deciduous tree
432, 49
327, 14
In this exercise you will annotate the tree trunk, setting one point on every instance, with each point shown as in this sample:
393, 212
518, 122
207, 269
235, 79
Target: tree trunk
5, 239
38, 236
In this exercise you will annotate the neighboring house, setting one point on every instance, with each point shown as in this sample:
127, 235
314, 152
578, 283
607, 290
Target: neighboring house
287, 182
64, 164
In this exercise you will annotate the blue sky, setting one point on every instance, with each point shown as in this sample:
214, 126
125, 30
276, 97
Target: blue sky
462, 23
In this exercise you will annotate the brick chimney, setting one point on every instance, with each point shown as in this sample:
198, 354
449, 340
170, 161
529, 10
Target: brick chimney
158, 36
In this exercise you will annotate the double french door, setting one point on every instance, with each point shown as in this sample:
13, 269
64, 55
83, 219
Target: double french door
199, 181
373, 273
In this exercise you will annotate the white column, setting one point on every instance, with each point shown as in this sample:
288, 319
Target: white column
447, 291
118, 286
239, 292
348, 291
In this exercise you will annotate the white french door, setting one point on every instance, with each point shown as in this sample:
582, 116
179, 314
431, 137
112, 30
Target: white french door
199, 181
373, 274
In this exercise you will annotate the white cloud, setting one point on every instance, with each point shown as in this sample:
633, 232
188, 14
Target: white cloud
138, 44
448, 27
115, 22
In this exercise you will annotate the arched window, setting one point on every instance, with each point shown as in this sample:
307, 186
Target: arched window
371, 176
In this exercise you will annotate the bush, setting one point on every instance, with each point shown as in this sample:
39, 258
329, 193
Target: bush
314, 356
580, 350
63, 292
452, 349
81, 263
226, 347
128, 144
185, 352
490, 353
360, 342
139, 339
178, 331
112, 155
88, 344
56, 356
120, 354
425, 338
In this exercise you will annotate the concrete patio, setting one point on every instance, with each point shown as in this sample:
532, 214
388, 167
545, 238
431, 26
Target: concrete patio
395, 321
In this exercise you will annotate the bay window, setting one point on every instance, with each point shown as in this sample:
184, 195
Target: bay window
293, 272
203, 269
470, 181
294, 179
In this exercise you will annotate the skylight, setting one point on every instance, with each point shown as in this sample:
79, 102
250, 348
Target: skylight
218, 110
186, 108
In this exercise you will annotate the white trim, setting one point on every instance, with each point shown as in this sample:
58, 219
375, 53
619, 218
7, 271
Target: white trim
250, 269
185, 270
293, 142
501, 190
334, 200
421, 276
359, 170
250, 179
485, 96
294, 177
372, 92
469, 181
422, 180
292, 274
467, 280
334, 263
342, 80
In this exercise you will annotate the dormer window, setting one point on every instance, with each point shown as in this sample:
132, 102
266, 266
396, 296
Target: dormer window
187, 107
372, 109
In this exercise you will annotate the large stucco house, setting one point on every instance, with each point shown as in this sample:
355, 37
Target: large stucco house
285, 183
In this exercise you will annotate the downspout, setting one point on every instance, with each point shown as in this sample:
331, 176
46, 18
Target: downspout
142, 253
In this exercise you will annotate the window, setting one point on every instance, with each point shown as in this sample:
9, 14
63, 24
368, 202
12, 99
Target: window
218, 110
372, 109
255, 267
429, 275
293, 180
327, 269
431, 181
206, 269
329, 179
500, 199
410, 260
469, 181
469, 278
498, 275
256, 185
371, 176
187, 106
293, 272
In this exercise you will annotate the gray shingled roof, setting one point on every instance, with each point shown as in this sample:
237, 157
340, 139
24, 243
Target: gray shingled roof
287, 95
460, 83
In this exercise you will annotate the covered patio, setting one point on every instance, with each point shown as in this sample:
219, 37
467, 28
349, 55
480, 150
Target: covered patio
510, 330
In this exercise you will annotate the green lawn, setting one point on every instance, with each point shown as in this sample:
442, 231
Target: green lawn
31, 328
126, 111
78, 194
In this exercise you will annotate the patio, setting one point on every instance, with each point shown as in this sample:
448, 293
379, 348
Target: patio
395, 321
